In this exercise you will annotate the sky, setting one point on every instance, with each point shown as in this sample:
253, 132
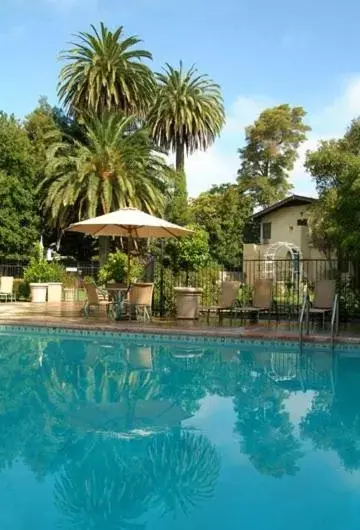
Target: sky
261, 53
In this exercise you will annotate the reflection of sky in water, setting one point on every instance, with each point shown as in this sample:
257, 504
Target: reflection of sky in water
234, 443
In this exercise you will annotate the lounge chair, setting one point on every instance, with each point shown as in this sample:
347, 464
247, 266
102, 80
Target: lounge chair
227, 300
324, 299
7, 288
94, 299
140, 300
262, 299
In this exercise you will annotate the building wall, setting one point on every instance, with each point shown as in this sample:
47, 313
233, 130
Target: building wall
284, 224
284, 228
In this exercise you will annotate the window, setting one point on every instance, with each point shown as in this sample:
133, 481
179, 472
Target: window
266, 231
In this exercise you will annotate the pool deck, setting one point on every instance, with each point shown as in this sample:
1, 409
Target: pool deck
67, 315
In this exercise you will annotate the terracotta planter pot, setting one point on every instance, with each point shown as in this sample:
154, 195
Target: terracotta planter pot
187, 301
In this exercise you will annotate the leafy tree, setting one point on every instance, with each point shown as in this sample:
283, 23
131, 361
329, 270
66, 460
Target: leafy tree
105, 71
335, 166
113, 167
42, 129
19, 219
270, 152
44, 126
191, 252
187, 114
223, 212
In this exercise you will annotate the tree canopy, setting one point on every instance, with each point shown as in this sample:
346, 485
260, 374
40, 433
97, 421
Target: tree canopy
105, 70
188, 112
223, 212
19, 216
335, 167
270, 153
113, 167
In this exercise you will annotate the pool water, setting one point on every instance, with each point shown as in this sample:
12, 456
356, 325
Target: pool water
103, 433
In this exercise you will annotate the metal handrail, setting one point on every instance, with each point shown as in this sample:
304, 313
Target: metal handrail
304, 312
335, 318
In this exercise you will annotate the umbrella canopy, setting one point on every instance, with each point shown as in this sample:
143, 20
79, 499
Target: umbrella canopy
129, 222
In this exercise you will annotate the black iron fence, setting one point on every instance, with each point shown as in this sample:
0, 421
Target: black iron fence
291, 280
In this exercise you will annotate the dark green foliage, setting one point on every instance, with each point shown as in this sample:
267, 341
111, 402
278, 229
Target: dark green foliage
335, 166
190, 253
224, 212
19, 219
116, 269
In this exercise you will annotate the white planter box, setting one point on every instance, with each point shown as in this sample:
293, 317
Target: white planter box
38, 292
69, 294
54, 292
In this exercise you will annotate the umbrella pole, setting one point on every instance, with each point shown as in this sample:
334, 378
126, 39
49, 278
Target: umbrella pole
129, 259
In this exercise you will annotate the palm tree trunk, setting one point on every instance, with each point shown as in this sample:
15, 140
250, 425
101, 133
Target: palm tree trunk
104, 244
180, 156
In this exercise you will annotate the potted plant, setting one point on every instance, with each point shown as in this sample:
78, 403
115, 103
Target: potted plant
36, 275
115, 270
55, 284
190, 254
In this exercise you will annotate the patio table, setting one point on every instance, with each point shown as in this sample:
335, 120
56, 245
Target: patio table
117, 295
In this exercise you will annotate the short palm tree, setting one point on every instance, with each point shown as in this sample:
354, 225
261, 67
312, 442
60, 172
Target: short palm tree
112, 167
188, 112
104, 71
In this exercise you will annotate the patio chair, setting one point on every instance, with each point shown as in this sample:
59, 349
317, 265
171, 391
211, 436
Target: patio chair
262, 299
323, 299
94, 299
7, 288
140, 300
227, 299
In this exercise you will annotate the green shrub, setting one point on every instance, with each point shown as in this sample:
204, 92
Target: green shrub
245, 294
41, 271
116, 269
21, 289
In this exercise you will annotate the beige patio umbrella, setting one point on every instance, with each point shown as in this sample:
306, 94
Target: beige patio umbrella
130, 223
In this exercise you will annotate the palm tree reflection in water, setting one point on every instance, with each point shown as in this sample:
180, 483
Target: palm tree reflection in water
119, 481
134, 456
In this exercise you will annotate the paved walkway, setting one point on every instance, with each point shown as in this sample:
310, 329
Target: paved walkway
68, 315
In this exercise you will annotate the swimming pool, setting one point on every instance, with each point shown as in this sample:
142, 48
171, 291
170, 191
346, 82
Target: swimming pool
132, 432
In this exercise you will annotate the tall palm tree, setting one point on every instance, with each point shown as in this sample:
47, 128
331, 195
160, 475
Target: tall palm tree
104, 71
112, 167
188, 112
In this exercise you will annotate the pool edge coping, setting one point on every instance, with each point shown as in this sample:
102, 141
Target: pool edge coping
185, 334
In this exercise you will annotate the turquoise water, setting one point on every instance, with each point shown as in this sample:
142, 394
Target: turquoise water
104, 433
